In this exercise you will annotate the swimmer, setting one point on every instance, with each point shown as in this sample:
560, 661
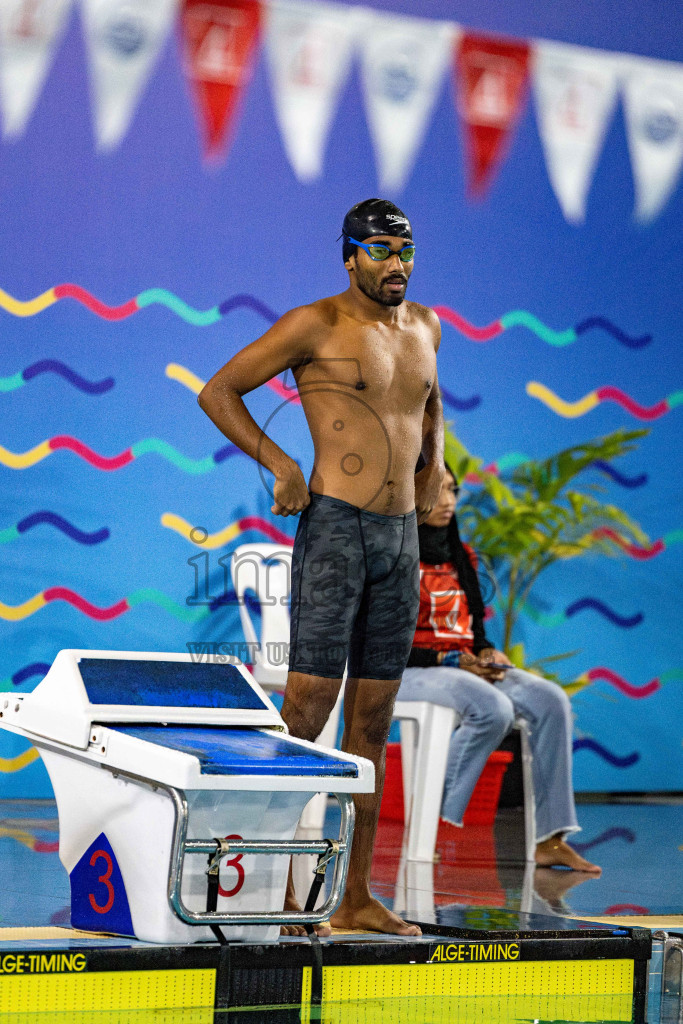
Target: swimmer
364, 362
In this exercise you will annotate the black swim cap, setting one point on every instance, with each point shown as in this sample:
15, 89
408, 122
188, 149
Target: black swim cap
373, 217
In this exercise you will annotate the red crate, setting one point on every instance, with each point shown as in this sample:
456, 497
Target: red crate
391, 808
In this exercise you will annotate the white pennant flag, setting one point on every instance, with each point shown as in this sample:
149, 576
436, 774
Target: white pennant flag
575, 91
124, 38
309, 47
404, 62
30, 31
653, 103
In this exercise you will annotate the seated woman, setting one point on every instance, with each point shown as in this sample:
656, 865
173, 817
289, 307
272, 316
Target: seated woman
454, 664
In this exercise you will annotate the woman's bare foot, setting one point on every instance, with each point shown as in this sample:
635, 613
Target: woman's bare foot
555, 852
369, 915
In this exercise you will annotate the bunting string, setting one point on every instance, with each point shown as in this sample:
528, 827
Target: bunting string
311, 47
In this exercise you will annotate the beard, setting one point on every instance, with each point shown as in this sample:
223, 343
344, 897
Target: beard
373, 288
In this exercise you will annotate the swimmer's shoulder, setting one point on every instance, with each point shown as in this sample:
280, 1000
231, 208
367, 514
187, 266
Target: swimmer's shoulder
318, 315
425, 317
304, 327
329, 310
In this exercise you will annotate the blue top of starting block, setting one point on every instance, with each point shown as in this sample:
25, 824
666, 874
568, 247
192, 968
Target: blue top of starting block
232, 751
167, 684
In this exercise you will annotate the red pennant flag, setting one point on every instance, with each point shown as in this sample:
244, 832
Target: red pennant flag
220, 38
491, 81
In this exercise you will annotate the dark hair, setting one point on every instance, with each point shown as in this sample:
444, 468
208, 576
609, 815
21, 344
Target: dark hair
467, 574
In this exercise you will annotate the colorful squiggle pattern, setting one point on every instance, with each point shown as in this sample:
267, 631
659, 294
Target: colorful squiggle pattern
641, 553
89, 387
23, 460
461, 404
151, 297
627, 834
522, 318
511, 460
620, 684
571, 410
586, 743
205, 317
552, 621
216, 540
35, 668
146, 595
28, 839
9, 765
620, 478
53, 519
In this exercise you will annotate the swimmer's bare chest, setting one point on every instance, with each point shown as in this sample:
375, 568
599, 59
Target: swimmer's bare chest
363, 393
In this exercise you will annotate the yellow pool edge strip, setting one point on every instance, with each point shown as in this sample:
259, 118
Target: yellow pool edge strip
213, 540
47, 933
570, 410
637, 920
31, 306
144, 994
184, 376
495, 993
15, 764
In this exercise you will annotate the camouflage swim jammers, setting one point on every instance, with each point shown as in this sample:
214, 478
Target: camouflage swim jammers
355, 591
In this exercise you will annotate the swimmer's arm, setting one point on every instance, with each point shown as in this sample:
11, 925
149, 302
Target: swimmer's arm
428, 480
433, 428
288, 343
432, 420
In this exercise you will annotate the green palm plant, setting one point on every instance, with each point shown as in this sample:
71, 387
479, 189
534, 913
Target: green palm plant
526, 521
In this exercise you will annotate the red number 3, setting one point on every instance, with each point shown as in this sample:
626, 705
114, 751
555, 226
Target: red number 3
105, 881
236, 863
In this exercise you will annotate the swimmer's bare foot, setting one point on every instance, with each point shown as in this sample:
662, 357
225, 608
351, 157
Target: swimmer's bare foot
555, 852
368, 915
291, 903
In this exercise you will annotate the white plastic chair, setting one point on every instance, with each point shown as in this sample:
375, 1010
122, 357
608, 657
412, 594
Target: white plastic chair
425, 734
266, 569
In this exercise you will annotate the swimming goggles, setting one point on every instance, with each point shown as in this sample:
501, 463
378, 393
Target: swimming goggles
380, 251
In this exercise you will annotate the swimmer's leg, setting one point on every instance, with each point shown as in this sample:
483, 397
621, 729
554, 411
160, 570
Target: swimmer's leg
308, 703
368, 708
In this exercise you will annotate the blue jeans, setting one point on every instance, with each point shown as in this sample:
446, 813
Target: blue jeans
487, 712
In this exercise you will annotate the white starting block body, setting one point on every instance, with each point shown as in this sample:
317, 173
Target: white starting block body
155, 758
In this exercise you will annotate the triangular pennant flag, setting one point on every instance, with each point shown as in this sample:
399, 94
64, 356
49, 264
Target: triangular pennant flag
653, 102
404, 61
491, 87
123, 41
30, 31
309, 48
220, 39
576, 92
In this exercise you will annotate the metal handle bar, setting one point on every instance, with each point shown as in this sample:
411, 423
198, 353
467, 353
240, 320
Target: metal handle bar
182, 845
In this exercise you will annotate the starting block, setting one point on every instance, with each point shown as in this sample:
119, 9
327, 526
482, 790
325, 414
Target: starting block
179, 793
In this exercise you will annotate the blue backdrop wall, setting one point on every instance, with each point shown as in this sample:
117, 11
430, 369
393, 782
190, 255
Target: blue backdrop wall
108, 567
